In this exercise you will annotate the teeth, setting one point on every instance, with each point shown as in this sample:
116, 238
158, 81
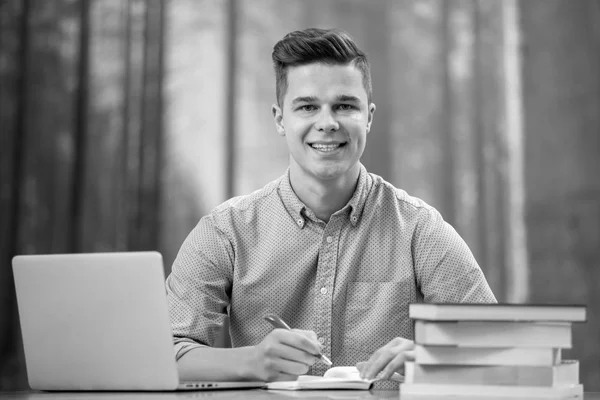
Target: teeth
325, 147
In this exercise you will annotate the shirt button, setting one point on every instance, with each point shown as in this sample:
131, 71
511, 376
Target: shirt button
300, 222
354, 219
329, 239
323, 290
321, 340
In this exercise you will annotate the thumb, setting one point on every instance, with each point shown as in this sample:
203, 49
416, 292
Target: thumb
360, 365
309, 334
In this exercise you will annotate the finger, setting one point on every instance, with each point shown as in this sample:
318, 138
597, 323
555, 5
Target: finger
285, 377
386, 356
309, 334
376, 365
397, 377
290, 353
364, 366
276, 346
361, 365
298, 340
374, 360
289, 367
396, 364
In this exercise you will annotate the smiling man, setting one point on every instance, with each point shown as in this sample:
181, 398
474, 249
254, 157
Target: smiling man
324, 112
335, 251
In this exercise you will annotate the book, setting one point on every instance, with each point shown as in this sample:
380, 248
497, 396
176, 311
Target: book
334, 378
494, 334
496, 312
420, 390
567, 372
486, 355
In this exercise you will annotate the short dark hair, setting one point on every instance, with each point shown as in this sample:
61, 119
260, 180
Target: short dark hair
330, 46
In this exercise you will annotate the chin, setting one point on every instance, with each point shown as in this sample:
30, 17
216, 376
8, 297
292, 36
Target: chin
329, 174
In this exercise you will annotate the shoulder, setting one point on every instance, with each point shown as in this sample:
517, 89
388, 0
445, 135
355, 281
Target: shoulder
248, 201
246, 206
386, 193
224, 220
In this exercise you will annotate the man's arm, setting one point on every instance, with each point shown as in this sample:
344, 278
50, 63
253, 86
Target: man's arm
445, 268
198, 290
446, 271
198, 287
282, 355
208, 363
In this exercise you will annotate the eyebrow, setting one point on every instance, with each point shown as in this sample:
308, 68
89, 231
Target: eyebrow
313, 99
305, 99
348, 98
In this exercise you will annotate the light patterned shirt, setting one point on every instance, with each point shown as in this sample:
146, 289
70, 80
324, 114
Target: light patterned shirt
350, 280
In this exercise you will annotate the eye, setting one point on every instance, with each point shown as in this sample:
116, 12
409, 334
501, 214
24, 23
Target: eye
307, 108
346, 107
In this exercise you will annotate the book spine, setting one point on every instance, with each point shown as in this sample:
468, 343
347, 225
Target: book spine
494, 334
565, 373
505, 392
497, 312
486, 356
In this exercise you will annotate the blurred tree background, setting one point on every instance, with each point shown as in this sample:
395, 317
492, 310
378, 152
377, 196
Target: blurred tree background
123, 122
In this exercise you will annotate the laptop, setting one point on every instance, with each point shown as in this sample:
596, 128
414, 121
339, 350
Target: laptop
99, 322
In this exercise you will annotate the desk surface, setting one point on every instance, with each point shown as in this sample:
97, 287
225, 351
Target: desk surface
254, 394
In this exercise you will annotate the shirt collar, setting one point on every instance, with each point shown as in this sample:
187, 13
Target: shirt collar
292, 203
359, 198
297, 209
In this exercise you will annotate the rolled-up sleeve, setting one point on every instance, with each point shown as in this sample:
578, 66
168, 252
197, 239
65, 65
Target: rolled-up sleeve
446, 269
199, 287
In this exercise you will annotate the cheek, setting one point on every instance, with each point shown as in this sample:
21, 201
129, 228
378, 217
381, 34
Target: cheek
294, 138
357, 117
298, 130
357, 123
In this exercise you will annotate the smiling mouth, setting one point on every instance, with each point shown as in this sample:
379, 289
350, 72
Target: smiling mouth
326, 147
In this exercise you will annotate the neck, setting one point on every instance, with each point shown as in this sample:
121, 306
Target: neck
324, 197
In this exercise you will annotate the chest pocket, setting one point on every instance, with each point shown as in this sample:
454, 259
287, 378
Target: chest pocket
377, 312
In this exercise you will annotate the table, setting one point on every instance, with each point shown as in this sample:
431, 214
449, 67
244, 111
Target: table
253, 394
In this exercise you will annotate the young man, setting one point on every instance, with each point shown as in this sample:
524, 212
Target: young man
335, 251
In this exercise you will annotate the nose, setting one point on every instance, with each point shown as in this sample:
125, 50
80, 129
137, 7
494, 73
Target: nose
327, 121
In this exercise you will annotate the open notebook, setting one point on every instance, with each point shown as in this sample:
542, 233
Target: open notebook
334, 378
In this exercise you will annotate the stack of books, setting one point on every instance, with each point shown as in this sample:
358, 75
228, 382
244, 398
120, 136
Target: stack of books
493, 351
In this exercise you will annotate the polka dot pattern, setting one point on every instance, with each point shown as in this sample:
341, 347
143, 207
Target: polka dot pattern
349, 280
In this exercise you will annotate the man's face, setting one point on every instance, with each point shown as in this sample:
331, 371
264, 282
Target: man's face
325, 119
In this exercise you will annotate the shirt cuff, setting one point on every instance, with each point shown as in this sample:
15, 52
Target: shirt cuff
184, 345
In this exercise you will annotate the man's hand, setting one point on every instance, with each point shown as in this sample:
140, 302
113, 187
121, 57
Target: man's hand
388, 359
283, 355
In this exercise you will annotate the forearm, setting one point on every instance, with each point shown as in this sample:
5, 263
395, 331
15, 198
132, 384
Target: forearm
208, 363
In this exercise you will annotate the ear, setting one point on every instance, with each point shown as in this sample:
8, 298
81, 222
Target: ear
278, 117
370, 117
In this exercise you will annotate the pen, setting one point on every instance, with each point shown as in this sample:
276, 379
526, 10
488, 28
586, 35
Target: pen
279, 323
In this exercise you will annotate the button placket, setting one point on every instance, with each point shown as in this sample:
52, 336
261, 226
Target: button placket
324, 284
323, 314
321, 299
